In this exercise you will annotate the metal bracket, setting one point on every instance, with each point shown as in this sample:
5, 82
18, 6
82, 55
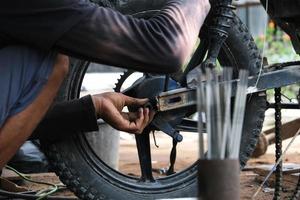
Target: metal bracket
176, 99
274, 77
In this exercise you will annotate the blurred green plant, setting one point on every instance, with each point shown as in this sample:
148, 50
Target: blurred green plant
278, 48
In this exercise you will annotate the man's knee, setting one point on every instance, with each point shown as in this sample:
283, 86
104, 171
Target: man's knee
61, 66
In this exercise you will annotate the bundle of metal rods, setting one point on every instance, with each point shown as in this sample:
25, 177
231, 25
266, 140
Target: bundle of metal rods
222, 113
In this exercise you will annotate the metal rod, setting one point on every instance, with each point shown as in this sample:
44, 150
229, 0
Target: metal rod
217, 114
275, 165
227, 76
285, 105
200, 106
209, 98
238, 115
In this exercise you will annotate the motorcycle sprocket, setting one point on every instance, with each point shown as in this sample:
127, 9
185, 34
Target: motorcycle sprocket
122, 79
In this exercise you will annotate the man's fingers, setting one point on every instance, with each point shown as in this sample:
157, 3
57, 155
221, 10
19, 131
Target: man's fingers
146, 117
130, 116
151, 115
134, 122
139, 121
131, 126
129, 101
143, 121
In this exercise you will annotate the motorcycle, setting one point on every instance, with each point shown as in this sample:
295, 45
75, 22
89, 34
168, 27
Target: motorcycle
231, 44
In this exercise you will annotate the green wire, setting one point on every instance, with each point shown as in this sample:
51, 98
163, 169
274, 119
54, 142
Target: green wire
41, 196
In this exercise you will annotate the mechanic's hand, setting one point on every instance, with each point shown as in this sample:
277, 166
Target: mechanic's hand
109, 107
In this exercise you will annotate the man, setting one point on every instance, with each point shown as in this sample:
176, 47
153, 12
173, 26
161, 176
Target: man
35, 33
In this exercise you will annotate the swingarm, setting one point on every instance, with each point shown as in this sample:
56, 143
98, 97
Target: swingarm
273, 76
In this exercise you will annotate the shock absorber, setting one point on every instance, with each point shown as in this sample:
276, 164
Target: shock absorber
219, 23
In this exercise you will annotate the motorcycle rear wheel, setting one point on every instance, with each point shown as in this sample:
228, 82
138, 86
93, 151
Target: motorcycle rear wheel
89, 178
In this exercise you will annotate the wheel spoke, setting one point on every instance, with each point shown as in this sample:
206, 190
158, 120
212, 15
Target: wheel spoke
144, 152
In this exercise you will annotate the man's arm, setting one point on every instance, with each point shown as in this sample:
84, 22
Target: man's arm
160, 44
78, 27
80, 115
65, 118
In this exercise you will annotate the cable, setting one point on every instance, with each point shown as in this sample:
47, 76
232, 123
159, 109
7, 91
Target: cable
41, 195
264, 47
274, 167
29, 196
262, 53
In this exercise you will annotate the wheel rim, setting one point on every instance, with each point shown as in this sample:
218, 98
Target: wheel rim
162, 185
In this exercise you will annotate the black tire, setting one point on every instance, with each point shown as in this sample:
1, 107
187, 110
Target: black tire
90, 178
